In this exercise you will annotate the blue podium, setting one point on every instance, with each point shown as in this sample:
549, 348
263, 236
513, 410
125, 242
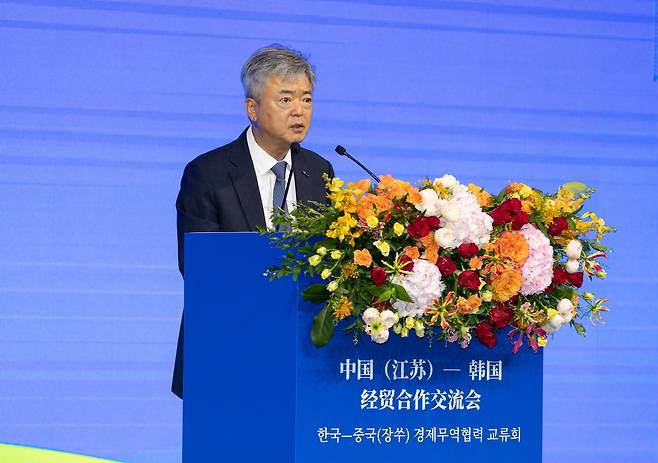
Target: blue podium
256, 389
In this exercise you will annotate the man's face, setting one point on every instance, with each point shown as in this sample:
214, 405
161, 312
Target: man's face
282, 115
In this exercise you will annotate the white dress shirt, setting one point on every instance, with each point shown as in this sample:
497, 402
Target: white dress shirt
263, 164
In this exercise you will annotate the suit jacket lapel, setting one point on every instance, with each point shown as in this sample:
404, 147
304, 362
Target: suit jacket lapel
303, 180
243, 176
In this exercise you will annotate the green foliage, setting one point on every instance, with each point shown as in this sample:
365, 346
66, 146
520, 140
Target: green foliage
323, 327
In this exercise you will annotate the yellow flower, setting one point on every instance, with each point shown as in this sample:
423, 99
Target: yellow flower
335, 184
372, 221
525, 191
383, 247
398, 228
487, 296
336, 254
483, 198
342, 308
588, 296
348, 271
409, 322
331, 287
326, 273
542, 341
321, 251
314, 260
551, 313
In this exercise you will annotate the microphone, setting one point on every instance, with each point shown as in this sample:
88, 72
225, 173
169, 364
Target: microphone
343, 152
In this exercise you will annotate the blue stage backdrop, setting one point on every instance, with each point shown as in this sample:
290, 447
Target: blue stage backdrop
103, 102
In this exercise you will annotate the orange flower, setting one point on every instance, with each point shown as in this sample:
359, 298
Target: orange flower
360, 187
506, 283
483, 198
362, 257
370, 204
475, 263
431, 248
411, 251
414, 197
513, 247
393, 188
470, 305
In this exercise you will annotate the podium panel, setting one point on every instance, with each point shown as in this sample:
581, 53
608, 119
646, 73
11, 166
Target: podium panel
257, 388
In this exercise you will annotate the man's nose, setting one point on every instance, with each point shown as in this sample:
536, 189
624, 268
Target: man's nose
297, 108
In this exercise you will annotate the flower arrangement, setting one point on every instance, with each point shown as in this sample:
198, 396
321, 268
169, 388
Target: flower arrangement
446, 261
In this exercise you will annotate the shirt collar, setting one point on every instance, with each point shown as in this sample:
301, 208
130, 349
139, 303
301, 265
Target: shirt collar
263, 162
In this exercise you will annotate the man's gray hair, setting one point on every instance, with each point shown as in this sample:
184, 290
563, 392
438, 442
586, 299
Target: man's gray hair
278, 60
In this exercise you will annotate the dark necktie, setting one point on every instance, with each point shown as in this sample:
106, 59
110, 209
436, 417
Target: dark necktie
279, 170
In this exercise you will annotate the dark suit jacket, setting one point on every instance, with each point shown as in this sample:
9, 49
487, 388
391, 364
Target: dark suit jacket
219, 192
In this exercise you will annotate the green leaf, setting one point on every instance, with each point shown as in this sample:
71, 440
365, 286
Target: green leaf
541, 227
580, 329
386, 295
401, 293
316, 293
323, 327
575, 187
600, 247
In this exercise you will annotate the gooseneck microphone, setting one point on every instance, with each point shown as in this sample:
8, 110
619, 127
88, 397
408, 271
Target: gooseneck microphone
343, 152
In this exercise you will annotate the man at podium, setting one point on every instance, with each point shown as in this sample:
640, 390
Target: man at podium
237, 187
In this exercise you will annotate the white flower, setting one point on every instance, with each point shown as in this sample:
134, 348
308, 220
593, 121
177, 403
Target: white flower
378, 324
565, 306
463, 216
380, 336
572, 266
574, 248
556, 321
447, 181
389, 318
430, 202
443, 237
370, 315
450, 211
567, 318
423, 285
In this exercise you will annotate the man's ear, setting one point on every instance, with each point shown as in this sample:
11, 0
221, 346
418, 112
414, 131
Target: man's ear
250, 105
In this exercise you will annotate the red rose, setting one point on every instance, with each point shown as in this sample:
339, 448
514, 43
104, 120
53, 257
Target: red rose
433, 222
467, 250
378, 276
512, 205
407, 263
519, 219
501, 315
469, 280
446, 266
500, 216
576, 279
485, 333
418, 229
560, 276
558, 226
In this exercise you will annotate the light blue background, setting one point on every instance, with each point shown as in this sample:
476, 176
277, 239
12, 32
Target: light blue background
103, 102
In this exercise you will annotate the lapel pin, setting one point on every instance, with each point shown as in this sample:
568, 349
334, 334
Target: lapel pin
305, 173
